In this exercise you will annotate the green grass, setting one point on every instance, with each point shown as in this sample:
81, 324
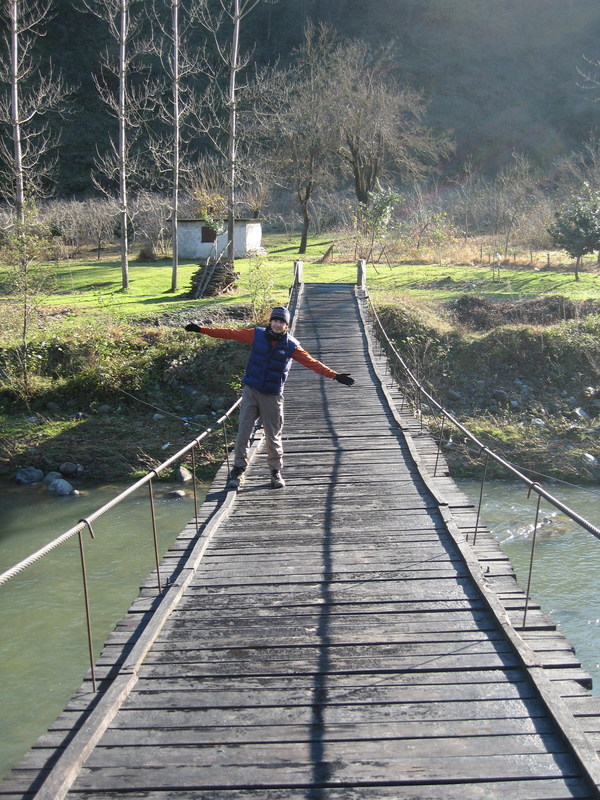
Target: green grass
96, 285
89, 285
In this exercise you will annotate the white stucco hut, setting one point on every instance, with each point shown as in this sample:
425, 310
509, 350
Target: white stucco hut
197, 240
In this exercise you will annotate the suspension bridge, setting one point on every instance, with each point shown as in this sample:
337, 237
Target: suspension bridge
358, 634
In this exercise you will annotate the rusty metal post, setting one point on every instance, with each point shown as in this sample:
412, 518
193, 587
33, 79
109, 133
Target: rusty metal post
487, 458
226, 450
86, 596
439, 449
533, 543
194, 483
154, 535
419, 406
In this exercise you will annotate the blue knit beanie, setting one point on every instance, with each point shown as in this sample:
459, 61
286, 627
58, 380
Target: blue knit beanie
280, 312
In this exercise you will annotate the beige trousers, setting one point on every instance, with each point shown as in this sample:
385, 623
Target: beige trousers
269, 407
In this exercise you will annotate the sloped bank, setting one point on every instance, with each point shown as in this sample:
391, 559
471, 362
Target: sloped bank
116, 398
530, 390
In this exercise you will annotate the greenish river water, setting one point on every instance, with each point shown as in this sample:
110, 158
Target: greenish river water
43, 634
43, 644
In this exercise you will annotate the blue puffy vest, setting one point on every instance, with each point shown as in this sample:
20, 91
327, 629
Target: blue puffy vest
268, 365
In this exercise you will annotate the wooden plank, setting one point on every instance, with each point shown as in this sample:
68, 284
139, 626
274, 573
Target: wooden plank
554, 789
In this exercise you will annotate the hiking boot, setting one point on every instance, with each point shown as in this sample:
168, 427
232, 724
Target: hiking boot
277, 481
236, 477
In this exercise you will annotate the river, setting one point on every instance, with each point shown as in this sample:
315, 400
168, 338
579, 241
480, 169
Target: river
43, 635
43, 645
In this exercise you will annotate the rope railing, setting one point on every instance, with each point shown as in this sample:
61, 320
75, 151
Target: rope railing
77, 530
86, 523
420, 394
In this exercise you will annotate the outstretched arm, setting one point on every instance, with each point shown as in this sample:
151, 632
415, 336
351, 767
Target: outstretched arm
303, 357
245, 335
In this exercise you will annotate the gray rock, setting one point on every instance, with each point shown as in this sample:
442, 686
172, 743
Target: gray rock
70, 470
499, 394
51, 406
453, 394
514, 404
61, 488
589, 459
52, 476
158, 417
176, 494
183, 475
28, 475
32, 420
201, 403
581, 413
189, 390
538, 421
77, 415
217, 403
104, 409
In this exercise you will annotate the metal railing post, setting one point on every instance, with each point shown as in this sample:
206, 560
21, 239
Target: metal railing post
439, 449
154, 535
226, 450
535, 527
487, 458
195, 485
86, 596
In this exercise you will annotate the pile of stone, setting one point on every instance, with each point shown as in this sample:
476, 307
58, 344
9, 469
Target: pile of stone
55, 482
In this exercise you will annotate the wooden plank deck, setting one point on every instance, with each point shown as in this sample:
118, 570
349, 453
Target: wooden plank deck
335, 639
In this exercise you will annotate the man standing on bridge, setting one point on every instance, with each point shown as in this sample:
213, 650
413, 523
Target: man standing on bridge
269, 363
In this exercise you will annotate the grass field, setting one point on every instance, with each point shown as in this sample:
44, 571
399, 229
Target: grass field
95, 286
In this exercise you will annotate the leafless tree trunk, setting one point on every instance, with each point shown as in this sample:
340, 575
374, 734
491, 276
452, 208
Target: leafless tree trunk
176, 144
15, 109
234, 67
123, 35
294, 121
126, 105
32, 94
233, 11
182, 62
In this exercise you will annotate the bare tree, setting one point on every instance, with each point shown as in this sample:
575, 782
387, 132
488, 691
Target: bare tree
297, 121
582, 166
516, 188
32, 94
153, 216
229, 18
378, 123
126, 103
177, 104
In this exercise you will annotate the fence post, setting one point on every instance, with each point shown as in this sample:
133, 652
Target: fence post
298, 272
361, 276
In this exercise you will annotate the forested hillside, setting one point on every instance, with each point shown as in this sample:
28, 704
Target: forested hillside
501, 76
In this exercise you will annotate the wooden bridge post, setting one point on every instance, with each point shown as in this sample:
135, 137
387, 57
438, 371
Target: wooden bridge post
361, 277
298, 272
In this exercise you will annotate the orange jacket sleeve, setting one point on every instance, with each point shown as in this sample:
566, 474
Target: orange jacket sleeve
303, 357
244, 335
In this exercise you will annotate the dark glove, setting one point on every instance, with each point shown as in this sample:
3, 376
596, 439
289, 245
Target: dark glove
344, 377
191, 326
